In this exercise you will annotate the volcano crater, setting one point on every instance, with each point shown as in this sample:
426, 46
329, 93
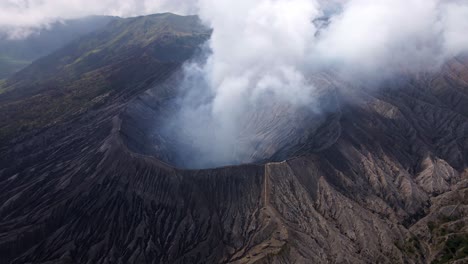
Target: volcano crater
273, 132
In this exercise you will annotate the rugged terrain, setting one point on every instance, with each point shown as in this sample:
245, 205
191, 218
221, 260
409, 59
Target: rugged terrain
84, 179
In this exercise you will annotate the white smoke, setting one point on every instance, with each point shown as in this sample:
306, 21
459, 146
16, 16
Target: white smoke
258, 57
263, 54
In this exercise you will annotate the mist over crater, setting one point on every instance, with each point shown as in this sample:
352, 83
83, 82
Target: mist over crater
161, 124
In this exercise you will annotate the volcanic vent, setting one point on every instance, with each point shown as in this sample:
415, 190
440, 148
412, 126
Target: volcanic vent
268, 131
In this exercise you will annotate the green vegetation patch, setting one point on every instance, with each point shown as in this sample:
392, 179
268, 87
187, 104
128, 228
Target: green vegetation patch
455, 248
9, 65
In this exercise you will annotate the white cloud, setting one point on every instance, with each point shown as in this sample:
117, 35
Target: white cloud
455, 24
382, 34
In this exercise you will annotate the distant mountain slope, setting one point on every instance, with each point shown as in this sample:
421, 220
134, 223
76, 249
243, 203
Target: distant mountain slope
94, 68
15, 54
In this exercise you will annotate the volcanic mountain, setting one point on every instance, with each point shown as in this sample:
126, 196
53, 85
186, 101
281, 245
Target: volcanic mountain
86, 176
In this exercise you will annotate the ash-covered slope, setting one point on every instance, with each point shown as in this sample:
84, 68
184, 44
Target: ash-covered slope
382, 181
